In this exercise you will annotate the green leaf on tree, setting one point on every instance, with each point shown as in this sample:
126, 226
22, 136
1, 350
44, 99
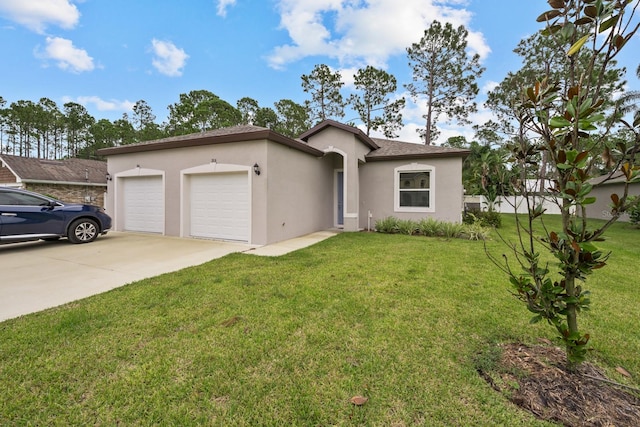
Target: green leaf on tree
609, 23
559, 122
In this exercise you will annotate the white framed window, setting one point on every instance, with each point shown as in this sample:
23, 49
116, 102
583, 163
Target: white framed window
414, 188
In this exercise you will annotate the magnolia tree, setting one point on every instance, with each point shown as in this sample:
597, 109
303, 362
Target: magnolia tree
569, 119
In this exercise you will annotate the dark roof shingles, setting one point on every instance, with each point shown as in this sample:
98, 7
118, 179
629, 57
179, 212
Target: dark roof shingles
404, 150
233, 130
381, 149
68, 170
216, 136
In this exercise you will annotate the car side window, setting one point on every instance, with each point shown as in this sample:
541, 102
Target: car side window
17, 199
6, 199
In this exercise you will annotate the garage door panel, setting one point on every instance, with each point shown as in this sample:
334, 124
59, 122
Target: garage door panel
144, 204
220, 206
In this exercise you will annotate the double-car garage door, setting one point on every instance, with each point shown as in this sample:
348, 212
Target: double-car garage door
216, 206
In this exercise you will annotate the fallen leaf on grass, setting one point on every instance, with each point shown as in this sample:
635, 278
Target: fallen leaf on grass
623, 371
359, 400
230, 322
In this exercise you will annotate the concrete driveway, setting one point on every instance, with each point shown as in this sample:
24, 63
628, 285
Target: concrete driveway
39, 275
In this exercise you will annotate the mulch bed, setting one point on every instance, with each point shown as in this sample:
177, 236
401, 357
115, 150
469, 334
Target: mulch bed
535, 378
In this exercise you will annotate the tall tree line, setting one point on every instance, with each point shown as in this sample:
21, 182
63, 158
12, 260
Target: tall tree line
46, 130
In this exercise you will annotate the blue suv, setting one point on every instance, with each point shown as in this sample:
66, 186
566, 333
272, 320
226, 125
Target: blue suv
26, 216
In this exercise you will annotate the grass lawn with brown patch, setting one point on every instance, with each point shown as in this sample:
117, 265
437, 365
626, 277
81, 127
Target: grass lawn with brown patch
247, 340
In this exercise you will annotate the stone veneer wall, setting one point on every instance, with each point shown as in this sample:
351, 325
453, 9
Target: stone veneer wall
71, 193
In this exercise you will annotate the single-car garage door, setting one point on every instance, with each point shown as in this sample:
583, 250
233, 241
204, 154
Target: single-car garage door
220, 206
143, 204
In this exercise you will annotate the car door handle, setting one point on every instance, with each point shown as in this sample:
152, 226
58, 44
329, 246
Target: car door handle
8, 214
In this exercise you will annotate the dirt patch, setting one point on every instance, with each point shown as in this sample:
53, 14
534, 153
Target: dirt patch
535, 378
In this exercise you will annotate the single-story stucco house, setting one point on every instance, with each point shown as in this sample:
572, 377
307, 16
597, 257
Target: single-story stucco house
603, 187
251, 184
71, 180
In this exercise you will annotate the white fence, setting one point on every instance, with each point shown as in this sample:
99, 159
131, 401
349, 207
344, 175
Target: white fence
511, 204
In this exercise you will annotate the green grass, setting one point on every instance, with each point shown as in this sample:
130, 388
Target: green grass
247, 340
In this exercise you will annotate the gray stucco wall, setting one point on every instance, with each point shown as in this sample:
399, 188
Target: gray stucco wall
601, 209
300, 193
292, 196
295, 193
377, 188
172, 162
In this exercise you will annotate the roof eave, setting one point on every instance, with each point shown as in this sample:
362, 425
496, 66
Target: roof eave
361, 136
413, 156
266, 134
45, 181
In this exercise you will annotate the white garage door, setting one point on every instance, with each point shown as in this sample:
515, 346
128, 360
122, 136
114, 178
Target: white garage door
220, 206
143, 204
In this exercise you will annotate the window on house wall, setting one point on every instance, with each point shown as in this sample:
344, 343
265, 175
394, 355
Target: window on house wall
414, 188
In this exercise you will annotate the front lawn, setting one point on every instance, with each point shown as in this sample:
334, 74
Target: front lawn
247, 340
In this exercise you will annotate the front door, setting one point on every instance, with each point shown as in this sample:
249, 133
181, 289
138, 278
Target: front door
339, 198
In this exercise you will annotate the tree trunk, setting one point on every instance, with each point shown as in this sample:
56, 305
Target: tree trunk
427, 134
570, 288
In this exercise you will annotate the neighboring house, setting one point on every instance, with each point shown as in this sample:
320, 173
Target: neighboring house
250, 184
70, 180
603, 187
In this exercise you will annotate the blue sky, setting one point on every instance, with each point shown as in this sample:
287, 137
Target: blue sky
108, 54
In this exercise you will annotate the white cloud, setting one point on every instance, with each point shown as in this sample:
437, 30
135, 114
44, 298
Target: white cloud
477, 44
66, 55
489, 86
168, 59
101, 104
355, 31
413, 118
38, 14
223, 5
409, 133
347, 76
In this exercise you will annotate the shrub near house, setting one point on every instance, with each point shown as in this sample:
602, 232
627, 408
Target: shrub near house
430, 227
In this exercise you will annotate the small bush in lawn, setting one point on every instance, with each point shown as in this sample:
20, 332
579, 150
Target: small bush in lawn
430, 227
484, 218
491, 219
475, 231
470, 216
387, 225
407, 226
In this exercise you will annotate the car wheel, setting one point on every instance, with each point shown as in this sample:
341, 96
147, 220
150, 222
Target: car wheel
83, 230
